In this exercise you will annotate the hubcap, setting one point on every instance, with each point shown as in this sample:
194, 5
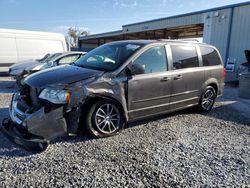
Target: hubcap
208, 99
107, 118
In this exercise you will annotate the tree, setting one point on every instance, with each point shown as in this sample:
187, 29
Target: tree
73, 35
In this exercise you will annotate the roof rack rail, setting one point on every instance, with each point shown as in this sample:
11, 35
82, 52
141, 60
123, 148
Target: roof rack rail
189, 40
180, 40
165, 39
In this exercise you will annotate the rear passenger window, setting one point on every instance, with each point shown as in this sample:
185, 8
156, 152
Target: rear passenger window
210, 56
153, 60
184, 56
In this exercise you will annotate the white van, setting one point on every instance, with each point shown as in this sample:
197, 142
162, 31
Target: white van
18, 45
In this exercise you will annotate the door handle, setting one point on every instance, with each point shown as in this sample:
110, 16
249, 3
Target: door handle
178, 77
164, 79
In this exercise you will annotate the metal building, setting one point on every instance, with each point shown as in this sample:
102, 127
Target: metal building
227, 28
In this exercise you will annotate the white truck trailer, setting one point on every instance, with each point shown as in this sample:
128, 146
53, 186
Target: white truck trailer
20, 45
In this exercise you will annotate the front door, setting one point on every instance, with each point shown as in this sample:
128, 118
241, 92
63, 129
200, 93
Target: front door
149, 93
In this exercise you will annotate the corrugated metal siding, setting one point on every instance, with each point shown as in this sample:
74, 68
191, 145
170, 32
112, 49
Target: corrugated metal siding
216, 29
165, 23
240, 35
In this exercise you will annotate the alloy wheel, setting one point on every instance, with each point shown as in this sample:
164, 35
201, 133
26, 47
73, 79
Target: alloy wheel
107, 118
208, 99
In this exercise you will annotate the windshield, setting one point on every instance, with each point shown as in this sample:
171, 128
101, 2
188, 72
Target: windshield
51, 57
108, 57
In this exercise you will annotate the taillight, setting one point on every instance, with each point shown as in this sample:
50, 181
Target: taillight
224, 74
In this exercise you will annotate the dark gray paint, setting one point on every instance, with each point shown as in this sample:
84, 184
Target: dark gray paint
138, 95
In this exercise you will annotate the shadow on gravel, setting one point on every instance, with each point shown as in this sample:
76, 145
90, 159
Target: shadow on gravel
7, 148
8, 86
4, 112
228, 113
160, 117
223, 112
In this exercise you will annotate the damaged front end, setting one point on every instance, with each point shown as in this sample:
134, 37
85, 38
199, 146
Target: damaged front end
54, 102
32, 124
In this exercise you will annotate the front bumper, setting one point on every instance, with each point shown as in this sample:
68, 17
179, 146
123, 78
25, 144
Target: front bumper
36, 123
27, 141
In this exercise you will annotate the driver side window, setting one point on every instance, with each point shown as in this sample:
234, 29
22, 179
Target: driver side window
153, 60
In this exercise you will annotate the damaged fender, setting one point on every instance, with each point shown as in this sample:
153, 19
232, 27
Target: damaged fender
33, 130
112, 88
49, 126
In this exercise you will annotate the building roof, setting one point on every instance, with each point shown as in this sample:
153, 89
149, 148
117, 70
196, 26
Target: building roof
112, 33
192, 13
120, 32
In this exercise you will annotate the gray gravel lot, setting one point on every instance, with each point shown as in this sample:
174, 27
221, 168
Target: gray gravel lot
176, 150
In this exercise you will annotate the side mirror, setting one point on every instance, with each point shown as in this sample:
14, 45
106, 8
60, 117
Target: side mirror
137, 69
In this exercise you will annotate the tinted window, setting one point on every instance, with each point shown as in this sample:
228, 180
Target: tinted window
153, 60
184, 57
210, 56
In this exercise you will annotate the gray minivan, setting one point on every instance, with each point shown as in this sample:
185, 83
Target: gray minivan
113, 84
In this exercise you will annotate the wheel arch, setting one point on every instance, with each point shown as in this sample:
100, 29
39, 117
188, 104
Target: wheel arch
215, 86
210, 82
93, 99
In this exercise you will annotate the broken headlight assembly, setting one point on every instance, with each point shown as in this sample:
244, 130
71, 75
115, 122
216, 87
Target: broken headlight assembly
56, 96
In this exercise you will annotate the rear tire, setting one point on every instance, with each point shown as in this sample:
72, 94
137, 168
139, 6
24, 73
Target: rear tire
207, 99
104, 119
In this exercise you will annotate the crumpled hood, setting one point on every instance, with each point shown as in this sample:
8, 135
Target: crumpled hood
61, 75
27, 66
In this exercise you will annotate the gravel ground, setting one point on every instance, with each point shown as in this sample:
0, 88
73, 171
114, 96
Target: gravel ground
176, 150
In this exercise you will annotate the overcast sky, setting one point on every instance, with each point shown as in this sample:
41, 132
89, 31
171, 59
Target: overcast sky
97, 16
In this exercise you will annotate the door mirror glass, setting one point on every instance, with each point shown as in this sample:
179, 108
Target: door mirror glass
137, 69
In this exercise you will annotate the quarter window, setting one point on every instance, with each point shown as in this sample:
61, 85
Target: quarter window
210, 56
184, 56
153, 60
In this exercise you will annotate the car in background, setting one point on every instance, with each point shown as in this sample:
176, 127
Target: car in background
22, 70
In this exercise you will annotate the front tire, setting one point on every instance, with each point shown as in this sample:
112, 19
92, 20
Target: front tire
207, 99
104, 119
